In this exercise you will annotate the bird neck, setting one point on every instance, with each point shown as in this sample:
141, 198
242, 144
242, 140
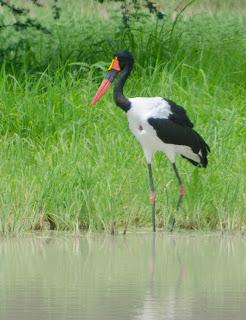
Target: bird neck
119, 98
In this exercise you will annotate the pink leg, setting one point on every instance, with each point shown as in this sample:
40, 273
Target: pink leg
152, 197
181, 190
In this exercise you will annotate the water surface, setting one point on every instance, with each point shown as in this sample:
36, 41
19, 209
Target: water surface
139, 276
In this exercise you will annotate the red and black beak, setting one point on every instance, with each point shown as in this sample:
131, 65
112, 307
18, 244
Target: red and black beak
114, 69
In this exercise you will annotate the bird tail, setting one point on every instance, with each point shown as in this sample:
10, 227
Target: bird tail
202, 154
204, 151
197, 164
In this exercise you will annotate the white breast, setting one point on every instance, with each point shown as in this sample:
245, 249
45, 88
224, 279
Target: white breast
141, 110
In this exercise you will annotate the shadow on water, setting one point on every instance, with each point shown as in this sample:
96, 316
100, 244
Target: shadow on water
141, 276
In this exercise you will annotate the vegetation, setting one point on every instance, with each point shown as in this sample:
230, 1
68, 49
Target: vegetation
79, 167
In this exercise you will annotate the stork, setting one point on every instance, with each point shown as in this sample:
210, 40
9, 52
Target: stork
159, 124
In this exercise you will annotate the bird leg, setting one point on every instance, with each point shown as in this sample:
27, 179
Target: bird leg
152, 195
181, 193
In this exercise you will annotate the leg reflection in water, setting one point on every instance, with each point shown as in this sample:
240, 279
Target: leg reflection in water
156, 306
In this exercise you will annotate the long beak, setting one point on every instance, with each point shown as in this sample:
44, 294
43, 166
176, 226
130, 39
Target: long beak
111, 75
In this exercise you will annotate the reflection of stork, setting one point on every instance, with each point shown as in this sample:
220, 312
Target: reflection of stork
154, 308
157, 123
151, 308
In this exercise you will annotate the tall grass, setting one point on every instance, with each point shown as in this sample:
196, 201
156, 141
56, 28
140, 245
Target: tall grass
79, 166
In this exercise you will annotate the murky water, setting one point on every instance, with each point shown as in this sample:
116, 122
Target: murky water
134, 277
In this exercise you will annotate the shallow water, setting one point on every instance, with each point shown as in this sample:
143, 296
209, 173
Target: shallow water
134, 277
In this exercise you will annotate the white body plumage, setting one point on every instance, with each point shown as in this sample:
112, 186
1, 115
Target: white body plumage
143, 109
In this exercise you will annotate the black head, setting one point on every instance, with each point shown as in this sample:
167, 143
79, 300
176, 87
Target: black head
121, 60
125, 58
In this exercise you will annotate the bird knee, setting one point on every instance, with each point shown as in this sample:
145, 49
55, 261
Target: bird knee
152, 197
181, 190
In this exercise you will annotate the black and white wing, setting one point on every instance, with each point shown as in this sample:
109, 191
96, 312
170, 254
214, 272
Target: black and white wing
179, 114
177, 130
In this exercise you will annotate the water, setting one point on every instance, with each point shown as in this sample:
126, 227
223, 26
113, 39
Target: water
134, 277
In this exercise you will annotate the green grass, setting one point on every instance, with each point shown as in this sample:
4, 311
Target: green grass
80, 165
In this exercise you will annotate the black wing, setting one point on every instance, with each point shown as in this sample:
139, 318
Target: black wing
179, 114
171, 132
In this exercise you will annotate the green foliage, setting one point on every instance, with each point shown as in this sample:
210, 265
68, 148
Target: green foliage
131, 9
19, 25
79, 166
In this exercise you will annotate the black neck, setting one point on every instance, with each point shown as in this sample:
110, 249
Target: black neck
119, 98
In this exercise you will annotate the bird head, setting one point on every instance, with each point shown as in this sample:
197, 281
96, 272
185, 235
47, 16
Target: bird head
121, 60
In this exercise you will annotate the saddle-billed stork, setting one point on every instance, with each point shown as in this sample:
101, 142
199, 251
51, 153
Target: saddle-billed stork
157, 123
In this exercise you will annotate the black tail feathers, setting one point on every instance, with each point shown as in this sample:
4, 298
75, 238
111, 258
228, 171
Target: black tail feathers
197, 164
202, 154
204, 151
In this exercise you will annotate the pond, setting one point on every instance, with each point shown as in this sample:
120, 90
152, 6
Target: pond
137, 276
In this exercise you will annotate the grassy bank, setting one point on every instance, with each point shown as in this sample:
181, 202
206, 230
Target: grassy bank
81, 167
